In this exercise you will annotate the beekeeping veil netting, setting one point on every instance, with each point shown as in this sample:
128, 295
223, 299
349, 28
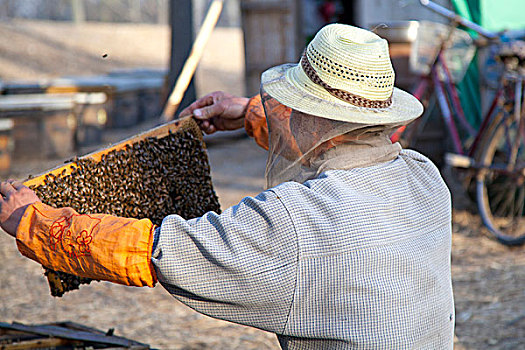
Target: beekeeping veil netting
302, 146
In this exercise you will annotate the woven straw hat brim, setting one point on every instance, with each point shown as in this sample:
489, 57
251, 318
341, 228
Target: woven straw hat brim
289, 85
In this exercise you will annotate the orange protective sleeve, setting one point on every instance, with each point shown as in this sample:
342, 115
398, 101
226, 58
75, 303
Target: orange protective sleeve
255, 122
97, 246
256, 125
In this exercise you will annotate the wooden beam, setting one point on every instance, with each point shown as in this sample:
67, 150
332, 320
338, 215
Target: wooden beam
190, 65
42, 343
64, 333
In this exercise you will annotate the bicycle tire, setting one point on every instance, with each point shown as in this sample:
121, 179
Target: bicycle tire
500, 190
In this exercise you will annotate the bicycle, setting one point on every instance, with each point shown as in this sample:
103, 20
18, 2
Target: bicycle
494, 154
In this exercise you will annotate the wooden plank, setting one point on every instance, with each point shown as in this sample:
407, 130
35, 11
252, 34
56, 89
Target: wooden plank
266, 6
185, 123
77, 327
60, 332
9, 335
188, 70
37, 102
43, 343
272, 36
43, 134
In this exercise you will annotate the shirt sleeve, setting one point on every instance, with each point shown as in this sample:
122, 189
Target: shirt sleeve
255, 122
96, 246
239, 266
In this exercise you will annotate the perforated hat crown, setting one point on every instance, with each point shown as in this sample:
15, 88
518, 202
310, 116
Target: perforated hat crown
360, 65
345, 74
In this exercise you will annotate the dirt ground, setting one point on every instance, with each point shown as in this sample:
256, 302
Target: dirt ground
488, 278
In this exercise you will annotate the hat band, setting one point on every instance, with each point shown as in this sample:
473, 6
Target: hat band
341, 94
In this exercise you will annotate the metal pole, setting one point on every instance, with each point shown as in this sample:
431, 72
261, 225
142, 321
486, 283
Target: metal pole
181, 22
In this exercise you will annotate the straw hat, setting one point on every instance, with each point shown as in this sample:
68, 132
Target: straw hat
344, 74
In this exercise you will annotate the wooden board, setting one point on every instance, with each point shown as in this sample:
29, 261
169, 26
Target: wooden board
69, 335
272, 36
185, 123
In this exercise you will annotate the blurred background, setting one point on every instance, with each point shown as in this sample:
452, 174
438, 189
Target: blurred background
104, 65
76, 75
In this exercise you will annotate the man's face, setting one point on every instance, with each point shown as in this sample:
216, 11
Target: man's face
315, 134
307, 129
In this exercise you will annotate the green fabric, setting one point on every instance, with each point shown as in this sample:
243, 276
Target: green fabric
498, 15
468, 9
468, 88
493, 15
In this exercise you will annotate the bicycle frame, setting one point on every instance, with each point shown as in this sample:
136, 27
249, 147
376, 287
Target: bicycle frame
450, 106
495, 158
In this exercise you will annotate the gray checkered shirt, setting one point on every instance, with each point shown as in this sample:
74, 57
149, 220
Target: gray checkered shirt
354, 259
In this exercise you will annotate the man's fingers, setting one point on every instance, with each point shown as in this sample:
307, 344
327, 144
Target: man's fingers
209, 112
203, 124
210, 129
15, 183
201, 102
206, 126
6, 188
18, 185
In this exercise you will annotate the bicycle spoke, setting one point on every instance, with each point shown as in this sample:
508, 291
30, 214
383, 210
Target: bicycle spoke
503, 208
497, 195
509, 202
508, 145
520, 201
501, 184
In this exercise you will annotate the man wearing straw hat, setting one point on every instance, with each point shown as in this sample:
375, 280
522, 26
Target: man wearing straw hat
348, 248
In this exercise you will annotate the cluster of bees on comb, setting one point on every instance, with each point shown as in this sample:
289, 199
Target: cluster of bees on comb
150, 179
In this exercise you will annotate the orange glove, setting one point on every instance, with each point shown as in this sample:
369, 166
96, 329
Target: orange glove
98, 246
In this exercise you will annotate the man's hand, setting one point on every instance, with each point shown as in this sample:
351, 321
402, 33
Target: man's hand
14, 200
218, 111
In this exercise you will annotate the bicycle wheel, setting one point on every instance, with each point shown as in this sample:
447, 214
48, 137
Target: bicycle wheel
500, 183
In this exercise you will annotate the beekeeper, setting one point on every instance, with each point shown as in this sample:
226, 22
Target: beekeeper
348, 248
